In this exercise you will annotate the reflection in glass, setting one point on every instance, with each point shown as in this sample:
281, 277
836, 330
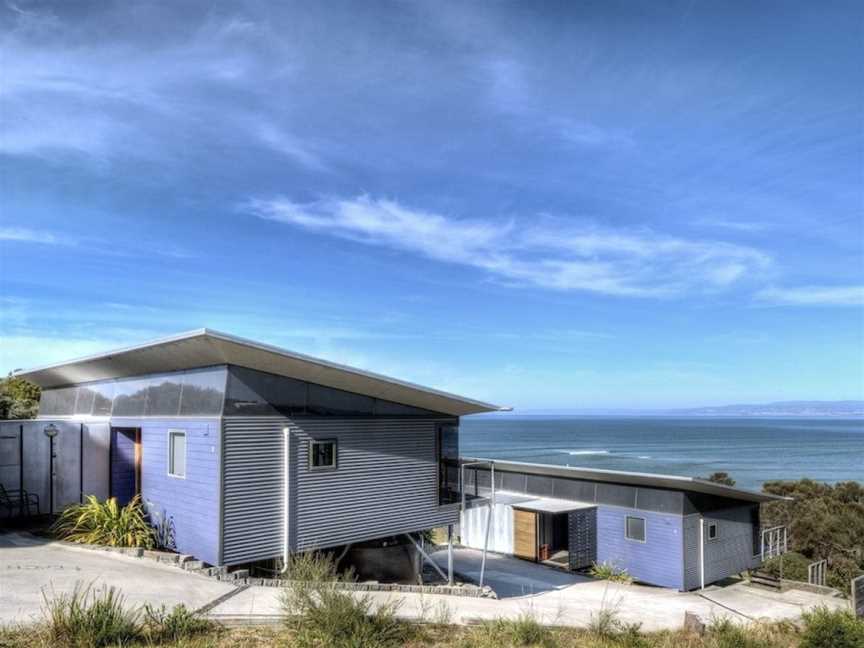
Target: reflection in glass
84, 404
130, 397
202, 392
103, 395
163, 397
327, 401
58, 402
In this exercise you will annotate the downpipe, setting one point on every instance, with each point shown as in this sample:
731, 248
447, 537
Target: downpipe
286, 493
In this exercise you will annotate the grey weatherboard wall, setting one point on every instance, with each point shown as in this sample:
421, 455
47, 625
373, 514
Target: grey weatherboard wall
188, 507
659, 560
385, 483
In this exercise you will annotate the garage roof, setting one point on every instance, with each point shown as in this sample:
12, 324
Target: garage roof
649, 480
206, 347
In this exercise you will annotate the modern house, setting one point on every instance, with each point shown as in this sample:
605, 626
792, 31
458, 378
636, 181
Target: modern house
665, 530
243, 452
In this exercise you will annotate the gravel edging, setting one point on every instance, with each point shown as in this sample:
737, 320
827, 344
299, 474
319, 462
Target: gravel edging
242, 577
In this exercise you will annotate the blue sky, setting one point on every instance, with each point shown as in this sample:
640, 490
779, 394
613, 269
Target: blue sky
546, 205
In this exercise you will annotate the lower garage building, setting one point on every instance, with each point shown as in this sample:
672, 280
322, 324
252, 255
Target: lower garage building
664, 530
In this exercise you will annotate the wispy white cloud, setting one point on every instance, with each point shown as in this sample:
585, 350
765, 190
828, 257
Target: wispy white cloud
75, 93
735, 225
814, 295
548, 254
26, 235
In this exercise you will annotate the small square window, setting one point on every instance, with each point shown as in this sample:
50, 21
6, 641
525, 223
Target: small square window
635, 528
322, 454
177, 453
713, 531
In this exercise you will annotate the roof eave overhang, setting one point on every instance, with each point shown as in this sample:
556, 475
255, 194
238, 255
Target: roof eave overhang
204, 347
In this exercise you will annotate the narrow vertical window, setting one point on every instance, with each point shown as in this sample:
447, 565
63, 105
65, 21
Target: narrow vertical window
712, 531
177, 453
448, 464
322, 454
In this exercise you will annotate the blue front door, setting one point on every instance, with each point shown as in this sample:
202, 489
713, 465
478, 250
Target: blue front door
124, 464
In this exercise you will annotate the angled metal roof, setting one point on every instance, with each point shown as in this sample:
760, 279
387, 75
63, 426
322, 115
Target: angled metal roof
205, 347
649, 480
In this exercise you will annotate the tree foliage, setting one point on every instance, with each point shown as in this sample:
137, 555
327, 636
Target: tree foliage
19, 398
823, 522
720, 478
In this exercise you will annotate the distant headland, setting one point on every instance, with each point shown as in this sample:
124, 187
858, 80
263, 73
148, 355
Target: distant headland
842, 409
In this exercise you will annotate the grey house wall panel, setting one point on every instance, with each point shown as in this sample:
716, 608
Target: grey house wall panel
732, 551
386, 481
253, 481
692, 577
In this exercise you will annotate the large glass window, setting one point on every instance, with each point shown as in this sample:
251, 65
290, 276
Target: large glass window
103, 397
328, 401
202, 392
130, 397
84, 403
255, 393
58, 402
177, 453
448, 464
163, 396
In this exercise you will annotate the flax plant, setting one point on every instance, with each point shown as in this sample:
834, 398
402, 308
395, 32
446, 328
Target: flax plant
106, 523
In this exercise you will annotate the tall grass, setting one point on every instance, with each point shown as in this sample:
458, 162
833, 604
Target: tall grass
88, 618
106, 523
321, 614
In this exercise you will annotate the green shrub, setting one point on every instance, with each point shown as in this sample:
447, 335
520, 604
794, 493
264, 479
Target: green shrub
106, 523
794, 566
824, 628
88, 619
609, 571
321, 614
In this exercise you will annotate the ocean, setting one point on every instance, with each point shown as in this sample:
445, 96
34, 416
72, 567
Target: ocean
751, 450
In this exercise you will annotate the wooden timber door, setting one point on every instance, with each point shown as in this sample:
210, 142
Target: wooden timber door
525, 534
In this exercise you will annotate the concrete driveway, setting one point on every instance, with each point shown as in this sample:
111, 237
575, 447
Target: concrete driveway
29, 566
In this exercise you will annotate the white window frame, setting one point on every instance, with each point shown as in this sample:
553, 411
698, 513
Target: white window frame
644, 529
170, 453
313, 443
716, 532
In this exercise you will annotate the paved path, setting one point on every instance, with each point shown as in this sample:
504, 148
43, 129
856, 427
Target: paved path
559, 598
29, 565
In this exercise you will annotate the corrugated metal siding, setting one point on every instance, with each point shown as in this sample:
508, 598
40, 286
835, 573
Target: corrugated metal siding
386, 482
692, 575
732, 551
253, 485
659, 560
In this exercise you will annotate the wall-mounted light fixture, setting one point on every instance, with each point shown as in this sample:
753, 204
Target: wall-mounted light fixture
51, 431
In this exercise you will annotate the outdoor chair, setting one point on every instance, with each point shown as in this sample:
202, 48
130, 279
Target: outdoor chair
17, 501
